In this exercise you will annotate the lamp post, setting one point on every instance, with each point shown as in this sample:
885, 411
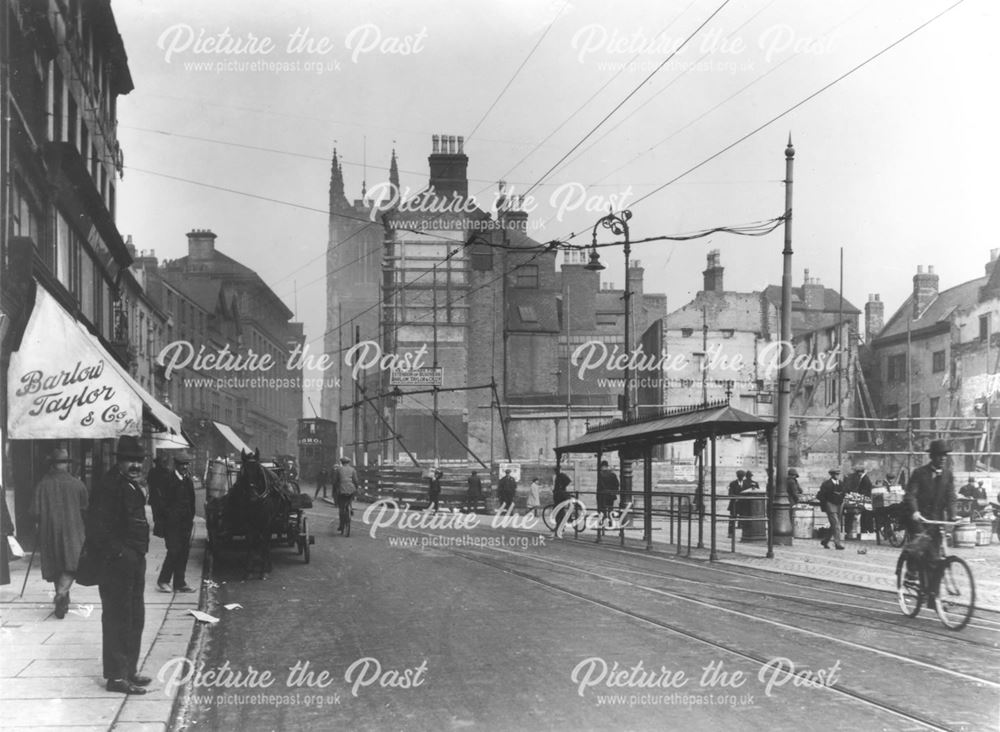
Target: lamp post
618, 224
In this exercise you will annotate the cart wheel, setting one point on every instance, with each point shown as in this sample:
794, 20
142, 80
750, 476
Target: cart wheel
304, 540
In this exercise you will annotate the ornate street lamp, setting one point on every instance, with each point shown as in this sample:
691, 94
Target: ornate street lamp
618, 224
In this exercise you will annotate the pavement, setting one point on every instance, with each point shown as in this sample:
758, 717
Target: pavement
51, 668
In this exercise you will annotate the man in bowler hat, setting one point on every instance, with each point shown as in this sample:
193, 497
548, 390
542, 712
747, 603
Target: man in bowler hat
177, 516
119, 533
930, 494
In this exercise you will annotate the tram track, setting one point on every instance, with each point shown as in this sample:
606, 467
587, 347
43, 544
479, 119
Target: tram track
858, 696
890, 607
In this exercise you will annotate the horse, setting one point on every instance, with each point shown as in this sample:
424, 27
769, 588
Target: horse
257, 502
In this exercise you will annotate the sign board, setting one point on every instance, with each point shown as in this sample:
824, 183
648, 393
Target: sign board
429, 376
63, 384
684, 470
765, 397
514, 468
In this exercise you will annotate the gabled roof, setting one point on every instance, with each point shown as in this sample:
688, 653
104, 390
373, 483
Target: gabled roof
938, 312
831, 300
739, 311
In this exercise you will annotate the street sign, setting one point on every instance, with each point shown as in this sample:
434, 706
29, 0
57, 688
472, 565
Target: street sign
429, 376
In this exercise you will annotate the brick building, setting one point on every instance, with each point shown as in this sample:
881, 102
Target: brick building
725, 344
933, 364
217, 304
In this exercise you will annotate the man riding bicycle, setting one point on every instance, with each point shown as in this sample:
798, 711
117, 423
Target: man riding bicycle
345, 485
930, 495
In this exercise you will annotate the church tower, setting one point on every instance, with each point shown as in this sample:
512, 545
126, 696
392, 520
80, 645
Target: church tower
353, 291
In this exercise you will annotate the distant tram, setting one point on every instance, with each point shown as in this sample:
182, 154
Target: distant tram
317, 447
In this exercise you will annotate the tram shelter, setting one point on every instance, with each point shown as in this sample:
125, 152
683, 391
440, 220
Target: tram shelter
634, 440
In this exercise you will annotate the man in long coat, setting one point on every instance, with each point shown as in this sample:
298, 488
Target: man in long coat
177, 518
60, 506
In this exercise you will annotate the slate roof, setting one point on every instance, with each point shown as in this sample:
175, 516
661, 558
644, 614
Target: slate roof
939, 311
831, 300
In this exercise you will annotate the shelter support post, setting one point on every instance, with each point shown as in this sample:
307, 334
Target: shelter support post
713, 555
647, 495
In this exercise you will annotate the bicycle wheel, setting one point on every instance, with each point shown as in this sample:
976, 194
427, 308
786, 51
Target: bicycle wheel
908, 591
895, 532
955, 598
548, 517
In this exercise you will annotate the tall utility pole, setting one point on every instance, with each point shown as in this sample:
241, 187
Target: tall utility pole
434, 292
569, 371
781, 522
840, 366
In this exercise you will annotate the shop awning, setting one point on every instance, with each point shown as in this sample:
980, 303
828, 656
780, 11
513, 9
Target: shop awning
63, 384
231, 437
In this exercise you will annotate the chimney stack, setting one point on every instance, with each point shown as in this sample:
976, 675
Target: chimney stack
993, 261
925, 290
449, 166
201, 244
813, 293
713, 273
874, 316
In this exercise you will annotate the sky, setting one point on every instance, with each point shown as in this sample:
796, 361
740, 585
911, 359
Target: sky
238, 106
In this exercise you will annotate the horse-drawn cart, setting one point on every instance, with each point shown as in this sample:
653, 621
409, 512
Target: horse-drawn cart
273, 513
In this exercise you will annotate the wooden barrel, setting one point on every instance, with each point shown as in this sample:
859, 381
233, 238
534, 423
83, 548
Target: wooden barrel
965, 535
984, 531
803, 522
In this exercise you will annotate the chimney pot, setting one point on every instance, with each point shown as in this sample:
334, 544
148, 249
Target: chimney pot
993, 254
930, 269
920, 269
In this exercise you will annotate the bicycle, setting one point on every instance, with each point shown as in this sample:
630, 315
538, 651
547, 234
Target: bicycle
574, 519
946, 583
345, 509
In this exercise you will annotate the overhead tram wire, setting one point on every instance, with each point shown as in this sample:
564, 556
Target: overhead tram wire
700, 117
763, 126
663, 89
593, 96
517, 71
801, 102
618, 106
628, 96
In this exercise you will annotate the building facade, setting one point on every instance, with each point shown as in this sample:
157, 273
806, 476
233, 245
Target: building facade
726, 345
480, 307
933, 368
63, 263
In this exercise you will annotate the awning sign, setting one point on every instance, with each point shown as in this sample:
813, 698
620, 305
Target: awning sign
62, 384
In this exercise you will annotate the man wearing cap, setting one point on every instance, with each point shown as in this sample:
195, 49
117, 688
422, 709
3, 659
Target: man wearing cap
345, 485
60, 507
831, 500
177, 517
118, 531
792, 487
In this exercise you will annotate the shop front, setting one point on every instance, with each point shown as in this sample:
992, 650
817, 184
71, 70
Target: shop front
64, 389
